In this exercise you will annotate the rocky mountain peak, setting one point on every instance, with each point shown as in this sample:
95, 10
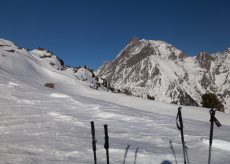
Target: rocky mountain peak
157, 69
134, 41
137, 50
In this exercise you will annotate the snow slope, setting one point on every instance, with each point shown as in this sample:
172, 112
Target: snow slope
50, 126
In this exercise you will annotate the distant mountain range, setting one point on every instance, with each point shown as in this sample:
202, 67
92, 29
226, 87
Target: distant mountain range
144, 68
158, 70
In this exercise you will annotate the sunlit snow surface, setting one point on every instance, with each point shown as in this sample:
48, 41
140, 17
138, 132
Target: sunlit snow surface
41, 125
52, 126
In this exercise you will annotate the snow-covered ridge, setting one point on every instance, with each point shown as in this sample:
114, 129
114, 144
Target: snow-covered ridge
7, 43
160, 70
39, 65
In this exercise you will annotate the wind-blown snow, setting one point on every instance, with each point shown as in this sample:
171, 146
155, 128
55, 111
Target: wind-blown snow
44, 125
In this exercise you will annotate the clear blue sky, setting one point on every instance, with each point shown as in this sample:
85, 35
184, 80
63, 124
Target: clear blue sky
84, 32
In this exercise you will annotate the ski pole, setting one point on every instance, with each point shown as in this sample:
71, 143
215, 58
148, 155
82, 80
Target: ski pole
106, 146
180, 127
126, 152
135, 159
174, 154
213, 119
93, 142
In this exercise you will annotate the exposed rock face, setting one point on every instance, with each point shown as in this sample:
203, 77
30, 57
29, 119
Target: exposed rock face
50, 85
158, 69
204, 60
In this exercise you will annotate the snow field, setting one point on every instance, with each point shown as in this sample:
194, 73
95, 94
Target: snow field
52, 126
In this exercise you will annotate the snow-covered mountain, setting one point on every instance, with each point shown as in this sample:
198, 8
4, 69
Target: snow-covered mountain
158, 70
52, 125
39, 65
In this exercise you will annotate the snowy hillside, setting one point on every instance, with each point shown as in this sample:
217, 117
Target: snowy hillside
156, 69
52, 125
38, 65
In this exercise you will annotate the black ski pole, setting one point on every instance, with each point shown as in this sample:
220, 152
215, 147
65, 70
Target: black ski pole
180, 127
218, 124
93, 142
106, 146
